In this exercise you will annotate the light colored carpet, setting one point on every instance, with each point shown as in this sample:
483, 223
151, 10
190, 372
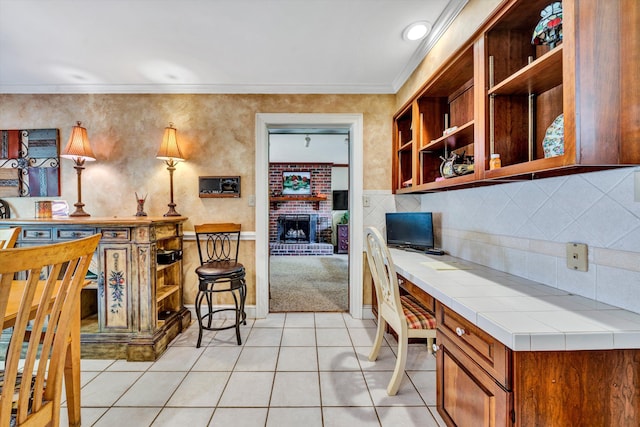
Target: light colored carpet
309, 283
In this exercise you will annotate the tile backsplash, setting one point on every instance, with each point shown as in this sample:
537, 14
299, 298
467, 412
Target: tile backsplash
522, 228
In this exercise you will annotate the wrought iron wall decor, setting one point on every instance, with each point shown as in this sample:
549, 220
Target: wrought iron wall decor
29, 163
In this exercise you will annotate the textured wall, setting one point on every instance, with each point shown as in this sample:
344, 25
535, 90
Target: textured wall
216, 132
217, 136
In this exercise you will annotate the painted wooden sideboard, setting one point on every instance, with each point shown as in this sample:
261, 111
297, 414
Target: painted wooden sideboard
134, 306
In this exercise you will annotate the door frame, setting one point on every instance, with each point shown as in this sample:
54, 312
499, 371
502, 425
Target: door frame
354, 124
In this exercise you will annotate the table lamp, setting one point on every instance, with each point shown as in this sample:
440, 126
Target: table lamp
170, 153
79, 150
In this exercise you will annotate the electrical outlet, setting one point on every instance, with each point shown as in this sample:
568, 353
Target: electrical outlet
366, 202
252, 200
577, 256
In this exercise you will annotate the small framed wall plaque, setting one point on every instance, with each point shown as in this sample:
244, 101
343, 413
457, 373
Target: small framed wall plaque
219, 186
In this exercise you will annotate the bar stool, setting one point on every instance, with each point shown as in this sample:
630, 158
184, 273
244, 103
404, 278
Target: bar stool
219, 272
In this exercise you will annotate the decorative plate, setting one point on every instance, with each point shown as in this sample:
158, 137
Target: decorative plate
553, 142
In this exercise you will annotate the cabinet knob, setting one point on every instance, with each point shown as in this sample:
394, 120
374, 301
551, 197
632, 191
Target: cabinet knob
435, 347
460, 331
114, 234
400, 281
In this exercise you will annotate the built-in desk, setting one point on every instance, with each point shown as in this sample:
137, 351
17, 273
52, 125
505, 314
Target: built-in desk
134, 308
514, 352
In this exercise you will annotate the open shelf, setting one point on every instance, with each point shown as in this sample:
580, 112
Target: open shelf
541, 75
406, 147
461, 137
162, 267
165, 291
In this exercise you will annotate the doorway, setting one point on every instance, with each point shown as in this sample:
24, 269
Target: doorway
308, 226
354, 124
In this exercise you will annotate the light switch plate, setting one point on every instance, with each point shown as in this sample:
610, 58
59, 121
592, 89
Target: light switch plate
577, 256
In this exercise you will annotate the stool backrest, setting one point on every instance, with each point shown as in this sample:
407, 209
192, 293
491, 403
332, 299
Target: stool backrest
45, 300
218, 242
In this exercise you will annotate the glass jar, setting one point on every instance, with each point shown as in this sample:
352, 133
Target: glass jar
495, 163
43, 209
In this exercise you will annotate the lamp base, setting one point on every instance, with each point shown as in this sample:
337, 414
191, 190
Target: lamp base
79, 210
172, 210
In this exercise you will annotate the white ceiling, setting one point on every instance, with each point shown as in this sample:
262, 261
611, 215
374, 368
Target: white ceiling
213, 46
322, 148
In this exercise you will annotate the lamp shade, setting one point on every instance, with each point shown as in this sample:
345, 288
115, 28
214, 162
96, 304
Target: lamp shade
78, 146
169, 149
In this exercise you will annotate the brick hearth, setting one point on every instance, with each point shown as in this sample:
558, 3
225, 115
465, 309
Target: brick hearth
301, 248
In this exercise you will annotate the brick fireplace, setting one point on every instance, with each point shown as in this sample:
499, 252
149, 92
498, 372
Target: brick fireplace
297, 226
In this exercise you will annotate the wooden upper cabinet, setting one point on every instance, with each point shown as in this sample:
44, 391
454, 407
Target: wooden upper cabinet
403, 149
524, 91
501, 93
606, 65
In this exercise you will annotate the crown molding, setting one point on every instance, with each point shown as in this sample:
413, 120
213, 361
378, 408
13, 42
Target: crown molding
439, 27
197, 89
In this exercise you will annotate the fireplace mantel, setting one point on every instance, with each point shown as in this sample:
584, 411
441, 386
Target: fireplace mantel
275, 201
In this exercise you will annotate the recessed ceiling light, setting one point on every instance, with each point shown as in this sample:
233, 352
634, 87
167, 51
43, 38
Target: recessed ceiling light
416, 31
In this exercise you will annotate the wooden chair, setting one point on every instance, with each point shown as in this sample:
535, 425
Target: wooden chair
402, 313
31, 388
220, 272
8, 237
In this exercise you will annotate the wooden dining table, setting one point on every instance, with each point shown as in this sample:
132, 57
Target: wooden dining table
72, 359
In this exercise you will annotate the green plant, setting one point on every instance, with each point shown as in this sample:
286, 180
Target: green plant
345, 218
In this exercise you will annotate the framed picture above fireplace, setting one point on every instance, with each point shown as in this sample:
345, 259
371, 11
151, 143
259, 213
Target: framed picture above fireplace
296, 183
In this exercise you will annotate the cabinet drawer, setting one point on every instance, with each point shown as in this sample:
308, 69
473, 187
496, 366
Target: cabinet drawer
466, 394
74, 233
111, 234
425, 299
486, 351
37, 234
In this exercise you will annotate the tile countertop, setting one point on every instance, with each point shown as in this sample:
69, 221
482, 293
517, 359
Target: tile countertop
522, 314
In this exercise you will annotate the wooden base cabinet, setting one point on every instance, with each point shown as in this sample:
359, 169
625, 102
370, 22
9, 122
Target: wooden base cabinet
133, 308
468, 395
577, 388
480, 382
473, 372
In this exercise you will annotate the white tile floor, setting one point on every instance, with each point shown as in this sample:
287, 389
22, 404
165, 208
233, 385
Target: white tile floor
292, 369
